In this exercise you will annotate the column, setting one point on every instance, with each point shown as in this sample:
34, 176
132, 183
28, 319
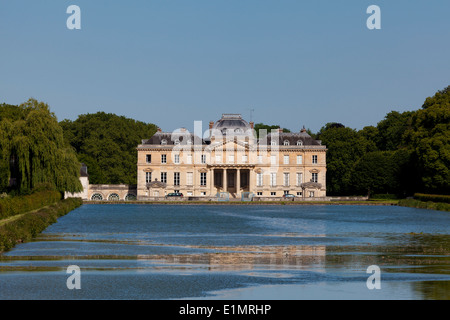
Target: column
225, 187
238, 181
251, 180
211, 192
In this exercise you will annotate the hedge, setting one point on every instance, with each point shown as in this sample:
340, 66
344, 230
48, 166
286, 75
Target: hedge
31, 224
441, 206
21, 204
432, 197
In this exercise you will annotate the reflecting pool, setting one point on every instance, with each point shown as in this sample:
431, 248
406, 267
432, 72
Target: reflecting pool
139, 251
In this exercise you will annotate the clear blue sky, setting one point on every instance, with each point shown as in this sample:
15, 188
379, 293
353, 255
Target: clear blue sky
171, 62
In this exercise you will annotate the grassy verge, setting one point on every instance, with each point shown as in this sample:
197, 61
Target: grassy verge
20, 204
441, 206
25, 227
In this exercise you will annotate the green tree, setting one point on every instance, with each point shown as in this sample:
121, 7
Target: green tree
384, 172
391, 130
33, 149
429, 136
268, 128
106, 143
345, 147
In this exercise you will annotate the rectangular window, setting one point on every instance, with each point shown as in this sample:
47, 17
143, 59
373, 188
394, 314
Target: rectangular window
203, 158
315, 177
273, 159
164, 177
259, 179
244, 159
314, 159
176, 191
273, 179
273, 193
286, 179
189, 159
259, 159
259, 193
203, 178
190, 193
203, 193
286, 191
176, 159
299, 193
148, 177
230, 159
176, 178
148, 158
311, 194
218, 159
163, 158
299, 178
299, 159
286, 159
189, 178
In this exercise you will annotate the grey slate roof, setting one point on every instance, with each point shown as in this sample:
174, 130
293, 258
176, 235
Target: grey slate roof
292, 137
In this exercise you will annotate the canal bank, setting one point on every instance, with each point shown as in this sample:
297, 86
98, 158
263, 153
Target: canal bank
24, 227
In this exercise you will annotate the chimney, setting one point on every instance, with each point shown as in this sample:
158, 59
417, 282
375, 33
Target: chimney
303, 129
252, 124
159, 129
211, 124
280, 130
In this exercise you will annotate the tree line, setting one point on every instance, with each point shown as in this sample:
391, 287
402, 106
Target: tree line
406, 152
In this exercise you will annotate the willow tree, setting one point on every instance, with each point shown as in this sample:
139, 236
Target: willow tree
33, 149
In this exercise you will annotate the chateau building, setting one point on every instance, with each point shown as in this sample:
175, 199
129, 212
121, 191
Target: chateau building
231, 161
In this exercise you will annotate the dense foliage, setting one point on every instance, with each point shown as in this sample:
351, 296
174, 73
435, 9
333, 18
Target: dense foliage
28, 226
20, 204
33, 150
261, 126
432, 197
405, 153
107, 143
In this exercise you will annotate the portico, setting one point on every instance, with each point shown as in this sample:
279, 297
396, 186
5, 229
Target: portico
233, 179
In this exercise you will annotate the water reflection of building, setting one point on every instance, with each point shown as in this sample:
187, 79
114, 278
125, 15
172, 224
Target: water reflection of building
250, 258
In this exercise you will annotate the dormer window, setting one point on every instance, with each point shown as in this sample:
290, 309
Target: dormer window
177, 141
286, 142
299, 142
163, 141
273, 143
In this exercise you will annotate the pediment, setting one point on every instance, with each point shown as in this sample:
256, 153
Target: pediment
230, 144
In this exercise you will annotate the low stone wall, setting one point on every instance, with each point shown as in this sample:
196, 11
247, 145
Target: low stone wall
296, 199
352, 198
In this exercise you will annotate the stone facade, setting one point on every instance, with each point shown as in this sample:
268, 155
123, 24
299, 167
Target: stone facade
231, 162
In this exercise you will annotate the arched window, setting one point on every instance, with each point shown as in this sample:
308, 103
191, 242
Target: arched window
286, 142
97, 197
113, 197
130, 197
299, 142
